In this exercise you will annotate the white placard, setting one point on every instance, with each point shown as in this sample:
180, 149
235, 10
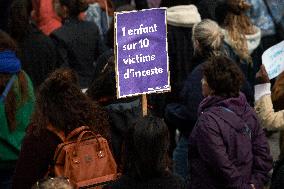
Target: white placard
273, 60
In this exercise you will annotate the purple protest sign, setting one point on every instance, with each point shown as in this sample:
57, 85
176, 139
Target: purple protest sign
141, 52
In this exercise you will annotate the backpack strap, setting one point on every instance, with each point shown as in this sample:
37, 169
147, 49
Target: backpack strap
7, 88
58, 132
246, 130
232, 118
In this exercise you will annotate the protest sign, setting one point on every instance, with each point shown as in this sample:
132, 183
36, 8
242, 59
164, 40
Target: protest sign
273, 60
141, 52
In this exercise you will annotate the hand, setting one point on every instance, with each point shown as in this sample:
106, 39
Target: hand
262, 76
252, 186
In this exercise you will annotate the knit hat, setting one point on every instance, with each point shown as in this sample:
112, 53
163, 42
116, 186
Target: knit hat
9, 62
183, 16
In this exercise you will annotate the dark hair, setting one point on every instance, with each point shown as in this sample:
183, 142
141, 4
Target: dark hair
145, 149
6, 42
75, 7
19, 19
103, 88
11, 103
61, 103
223, 76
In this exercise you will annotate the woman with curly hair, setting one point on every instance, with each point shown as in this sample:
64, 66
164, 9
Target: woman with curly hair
16, 106
240, 34
227, 147
61, 104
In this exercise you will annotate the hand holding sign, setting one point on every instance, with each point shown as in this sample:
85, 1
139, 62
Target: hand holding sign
273, 60
262, 76
141, 52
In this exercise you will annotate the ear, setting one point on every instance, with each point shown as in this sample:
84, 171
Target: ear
61, 10
211, 91
196, 44
196, 47
65, 11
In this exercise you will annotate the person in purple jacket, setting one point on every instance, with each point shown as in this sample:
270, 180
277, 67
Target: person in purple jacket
227, 148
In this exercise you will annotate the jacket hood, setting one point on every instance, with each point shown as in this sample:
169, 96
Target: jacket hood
238, 105
253, 40
183, 16
123, 106
123, 114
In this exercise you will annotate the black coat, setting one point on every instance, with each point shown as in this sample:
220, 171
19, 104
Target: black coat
206, 8
122, 115
171, 3
38, 55
166, 182
79, 46
4, 13
180, 55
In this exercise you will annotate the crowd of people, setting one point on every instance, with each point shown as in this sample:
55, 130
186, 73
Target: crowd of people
57, 69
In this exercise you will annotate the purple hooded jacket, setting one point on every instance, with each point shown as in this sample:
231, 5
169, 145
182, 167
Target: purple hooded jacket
222, 158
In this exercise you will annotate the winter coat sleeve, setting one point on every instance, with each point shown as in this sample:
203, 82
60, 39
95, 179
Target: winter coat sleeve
262, 161
268, 117
212, 150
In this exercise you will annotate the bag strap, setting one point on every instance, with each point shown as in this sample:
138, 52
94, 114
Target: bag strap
76, 132
246, 129
82, 134
227, 113
58, 132
7, 88
61, 134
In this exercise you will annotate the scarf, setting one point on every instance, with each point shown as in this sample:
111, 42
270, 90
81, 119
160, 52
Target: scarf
9, 62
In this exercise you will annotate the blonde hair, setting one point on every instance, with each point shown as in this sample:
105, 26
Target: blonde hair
238, 25
209, 36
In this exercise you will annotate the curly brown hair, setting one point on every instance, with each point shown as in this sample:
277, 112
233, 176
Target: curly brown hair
61, 103
11, 103
223, 76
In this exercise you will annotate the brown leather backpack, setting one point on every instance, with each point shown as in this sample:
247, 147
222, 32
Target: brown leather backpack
84, 158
